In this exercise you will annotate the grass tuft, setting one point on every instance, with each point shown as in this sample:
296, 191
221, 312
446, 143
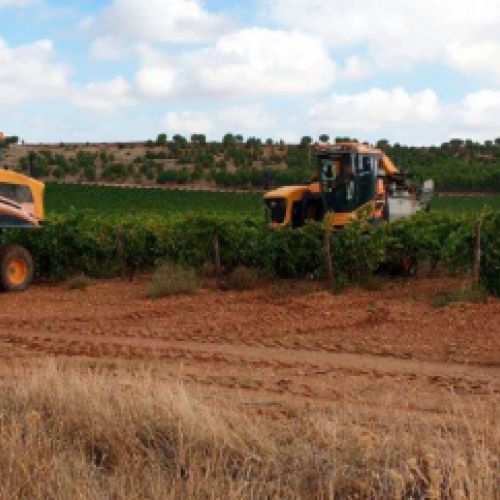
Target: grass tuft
241, 278
467, 294
81, 282
173, 279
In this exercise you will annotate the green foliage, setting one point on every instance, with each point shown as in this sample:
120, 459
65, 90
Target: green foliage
228, 140
465, 204
199, 139
182, 176
114, 172
490, 263
110, 202
161, 140
466, 294
97, 245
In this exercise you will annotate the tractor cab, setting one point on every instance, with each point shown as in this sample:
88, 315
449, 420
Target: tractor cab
345, 188
295, 205
348, 175
21, 200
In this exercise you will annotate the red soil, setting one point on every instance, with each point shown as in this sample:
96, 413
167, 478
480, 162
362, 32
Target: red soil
289, 341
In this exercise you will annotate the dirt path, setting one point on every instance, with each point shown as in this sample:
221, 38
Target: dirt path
290, 341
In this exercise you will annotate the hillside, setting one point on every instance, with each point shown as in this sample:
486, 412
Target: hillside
455, 166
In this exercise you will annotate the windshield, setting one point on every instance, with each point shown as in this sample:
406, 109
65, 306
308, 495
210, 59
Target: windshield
16, 192
277, 206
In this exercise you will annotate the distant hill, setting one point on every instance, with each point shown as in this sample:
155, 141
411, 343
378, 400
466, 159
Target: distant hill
455, 166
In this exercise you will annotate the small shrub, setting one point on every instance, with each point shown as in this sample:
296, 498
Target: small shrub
173, 279
468, 294
242, 278
81, 282
372, 283
208, 270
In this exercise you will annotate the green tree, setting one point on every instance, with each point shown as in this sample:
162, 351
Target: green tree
228, 140
199, 139
306, 141
161, 140
179, 139
383, 144
324, 138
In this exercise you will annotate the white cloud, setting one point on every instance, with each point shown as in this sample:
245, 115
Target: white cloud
356, 68
248, 63
481, 57
104, 97
401, 33
375, 109
258, 61
250, 119
188, 122
27, 72
177, 21
246, 118
156, 81
479, 111
108, 48
15, 3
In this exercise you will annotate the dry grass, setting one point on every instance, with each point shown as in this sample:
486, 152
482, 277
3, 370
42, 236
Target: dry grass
173, 279
80, 433
464, 294
241, 278
81, 282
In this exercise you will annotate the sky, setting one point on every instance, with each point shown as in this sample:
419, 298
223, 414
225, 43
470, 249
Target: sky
414, 72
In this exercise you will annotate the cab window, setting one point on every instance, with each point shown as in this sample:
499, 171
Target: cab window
277, 207
365, 165
16, 192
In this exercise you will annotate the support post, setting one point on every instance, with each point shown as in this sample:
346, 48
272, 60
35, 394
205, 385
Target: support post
120, 251
327, 249
217, 260
476, 265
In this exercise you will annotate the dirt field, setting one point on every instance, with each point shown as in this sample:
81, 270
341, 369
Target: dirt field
284, 345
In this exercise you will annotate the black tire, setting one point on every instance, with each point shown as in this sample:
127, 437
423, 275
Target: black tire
16, 268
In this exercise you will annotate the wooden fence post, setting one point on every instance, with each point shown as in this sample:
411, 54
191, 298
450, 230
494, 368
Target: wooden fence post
120, 251
327, 249
217, 261
476, 265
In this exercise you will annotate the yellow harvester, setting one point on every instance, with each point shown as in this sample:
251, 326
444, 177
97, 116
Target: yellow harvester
354, 182
21, 206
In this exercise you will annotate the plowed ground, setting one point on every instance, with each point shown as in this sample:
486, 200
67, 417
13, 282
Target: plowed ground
284, 345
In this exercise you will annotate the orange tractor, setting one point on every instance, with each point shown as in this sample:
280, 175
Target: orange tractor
354, 182
21, 206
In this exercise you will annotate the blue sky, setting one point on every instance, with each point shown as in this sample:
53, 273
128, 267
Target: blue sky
411, 72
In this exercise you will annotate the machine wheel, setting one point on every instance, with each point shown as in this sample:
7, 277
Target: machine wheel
16, 268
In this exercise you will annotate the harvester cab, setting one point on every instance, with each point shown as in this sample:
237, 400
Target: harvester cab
353, 182
21, 206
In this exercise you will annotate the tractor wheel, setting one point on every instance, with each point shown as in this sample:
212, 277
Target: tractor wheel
16, 268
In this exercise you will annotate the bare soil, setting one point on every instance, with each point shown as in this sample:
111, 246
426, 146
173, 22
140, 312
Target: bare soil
284, 345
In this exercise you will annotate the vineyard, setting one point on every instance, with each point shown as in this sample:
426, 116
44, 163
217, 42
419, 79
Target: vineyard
115, 200
122, 201
106, 245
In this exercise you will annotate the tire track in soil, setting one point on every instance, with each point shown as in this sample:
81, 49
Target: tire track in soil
288, 343
459, 377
